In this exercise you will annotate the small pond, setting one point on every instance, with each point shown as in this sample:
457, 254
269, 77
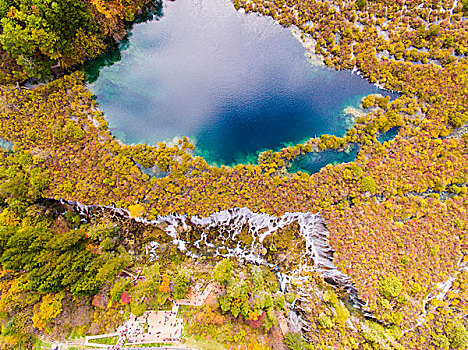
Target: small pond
234, 83
312, 162
388, 135
5, 144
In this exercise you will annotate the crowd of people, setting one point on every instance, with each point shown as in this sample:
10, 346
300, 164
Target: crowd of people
159, 326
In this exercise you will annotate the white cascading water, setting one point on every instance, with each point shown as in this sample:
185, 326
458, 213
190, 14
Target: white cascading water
317, 255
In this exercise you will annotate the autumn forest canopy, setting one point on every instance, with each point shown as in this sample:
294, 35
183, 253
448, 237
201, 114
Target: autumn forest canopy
38, 35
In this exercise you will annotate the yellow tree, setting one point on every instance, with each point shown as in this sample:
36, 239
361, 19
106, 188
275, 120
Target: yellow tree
50, 308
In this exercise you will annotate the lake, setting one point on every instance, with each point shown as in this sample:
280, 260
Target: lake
234, 83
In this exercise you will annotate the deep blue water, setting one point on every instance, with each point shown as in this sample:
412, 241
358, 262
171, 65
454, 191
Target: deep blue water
234, 83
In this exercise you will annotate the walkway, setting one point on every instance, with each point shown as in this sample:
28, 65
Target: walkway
155, 326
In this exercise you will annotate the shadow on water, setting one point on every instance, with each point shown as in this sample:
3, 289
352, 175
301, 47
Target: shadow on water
92, 68
388, 135
311, 163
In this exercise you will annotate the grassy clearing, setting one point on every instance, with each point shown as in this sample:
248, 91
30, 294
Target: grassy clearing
78, 332
212, 344
150, 345
107, 340
39, 345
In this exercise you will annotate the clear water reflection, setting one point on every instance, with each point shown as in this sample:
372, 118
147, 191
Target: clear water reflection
235, 84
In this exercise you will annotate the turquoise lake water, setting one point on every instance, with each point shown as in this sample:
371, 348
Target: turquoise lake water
5, 144
234, 83
312, 162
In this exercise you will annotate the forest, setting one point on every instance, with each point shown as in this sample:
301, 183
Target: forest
397, 215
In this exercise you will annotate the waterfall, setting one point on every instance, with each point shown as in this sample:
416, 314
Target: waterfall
317, 255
